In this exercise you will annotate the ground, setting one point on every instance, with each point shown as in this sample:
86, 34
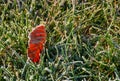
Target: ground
83, 40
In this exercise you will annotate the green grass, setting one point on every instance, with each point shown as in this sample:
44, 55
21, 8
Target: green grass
83, 43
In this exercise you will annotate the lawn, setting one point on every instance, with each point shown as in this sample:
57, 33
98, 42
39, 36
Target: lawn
83, 40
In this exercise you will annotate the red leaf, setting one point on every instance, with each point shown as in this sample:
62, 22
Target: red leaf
36, 43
